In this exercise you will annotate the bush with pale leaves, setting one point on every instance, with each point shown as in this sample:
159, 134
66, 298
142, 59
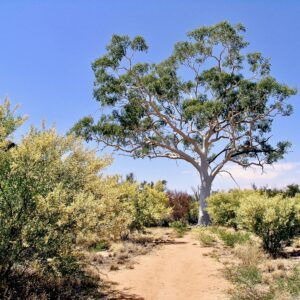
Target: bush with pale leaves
276, 220
53, 199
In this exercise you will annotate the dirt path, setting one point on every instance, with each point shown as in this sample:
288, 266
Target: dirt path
176, 271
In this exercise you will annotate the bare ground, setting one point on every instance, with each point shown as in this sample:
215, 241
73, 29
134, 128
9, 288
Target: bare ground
176, 271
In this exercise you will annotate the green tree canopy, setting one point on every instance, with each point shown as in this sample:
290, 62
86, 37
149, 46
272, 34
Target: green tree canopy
209, 103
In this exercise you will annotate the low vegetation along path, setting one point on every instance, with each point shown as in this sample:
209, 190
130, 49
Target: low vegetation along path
180, 270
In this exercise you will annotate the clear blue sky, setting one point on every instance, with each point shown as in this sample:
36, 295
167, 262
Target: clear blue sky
47, 48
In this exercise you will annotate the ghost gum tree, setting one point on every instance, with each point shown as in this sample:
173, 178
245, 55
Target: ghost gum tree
209, 103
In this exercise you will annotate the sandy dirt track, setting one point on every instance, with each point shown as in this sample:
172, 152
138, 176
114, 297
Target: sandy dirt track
177, 271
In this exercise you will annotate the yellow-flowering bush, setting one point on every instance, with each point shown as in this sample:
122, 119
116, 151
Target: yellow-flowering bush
54, 200
53, 197
149, 204
222, 207
276, 220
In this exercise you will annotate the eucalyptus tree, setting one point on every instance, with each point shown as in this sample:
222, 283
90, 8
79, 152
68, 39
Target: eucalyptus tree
209, 103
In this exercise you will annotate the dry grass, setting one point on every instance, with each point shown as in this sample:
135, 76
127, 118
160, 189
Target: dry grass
213, 236
32, 286
296, 243
121, 254
249, 254
204, 236
254, 274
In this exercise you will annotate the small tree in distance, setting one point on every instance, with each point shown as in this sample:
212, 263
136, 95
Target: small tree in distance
208, 104
180, 203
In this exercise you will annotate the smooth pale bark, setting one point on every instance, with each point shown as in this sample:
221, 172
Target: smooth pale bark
205, 190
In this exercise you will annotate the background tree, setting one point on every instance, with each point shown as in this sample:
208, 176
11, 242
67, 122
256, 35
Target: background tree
209, 103
180, 203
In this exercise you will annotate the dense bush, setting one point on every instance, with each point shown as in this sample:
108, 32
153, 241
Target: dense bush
180, 204
222, 207
54, 201
193, 211
148, 203
52, 198
275, 220
184, 207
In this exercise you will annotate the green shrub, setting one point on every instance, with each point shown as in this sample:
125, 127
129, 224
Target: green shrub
193, 212
230, 239
180, 228
148, 203
34, 223
52, 200
275, 220
248, 275
292, 190
247, 279
222, 207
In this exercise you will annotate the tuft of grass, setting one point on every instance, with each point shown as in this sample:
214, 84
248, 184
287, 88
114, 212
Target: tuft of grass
95, 257
203, 235
206, 240
214, 229
247, 271
130, 266
180, 228
207, 236
101, 246
247, 280
290, 283
253, 275
250, 293
247, 275
249, 254
230, 239
114, 267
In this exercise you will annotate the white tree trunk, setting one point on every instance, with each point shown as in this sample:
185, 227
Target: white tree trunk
205, 189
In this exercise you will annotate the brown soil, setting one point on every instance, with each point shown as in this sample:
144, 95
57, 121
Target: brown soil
177, 271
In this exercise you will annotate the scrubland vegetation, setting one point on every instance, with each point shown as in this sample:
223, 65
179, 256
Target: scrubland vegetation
255, 234
56, 203
59, 213
58, 210
62, 221
253, 273
275, 219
